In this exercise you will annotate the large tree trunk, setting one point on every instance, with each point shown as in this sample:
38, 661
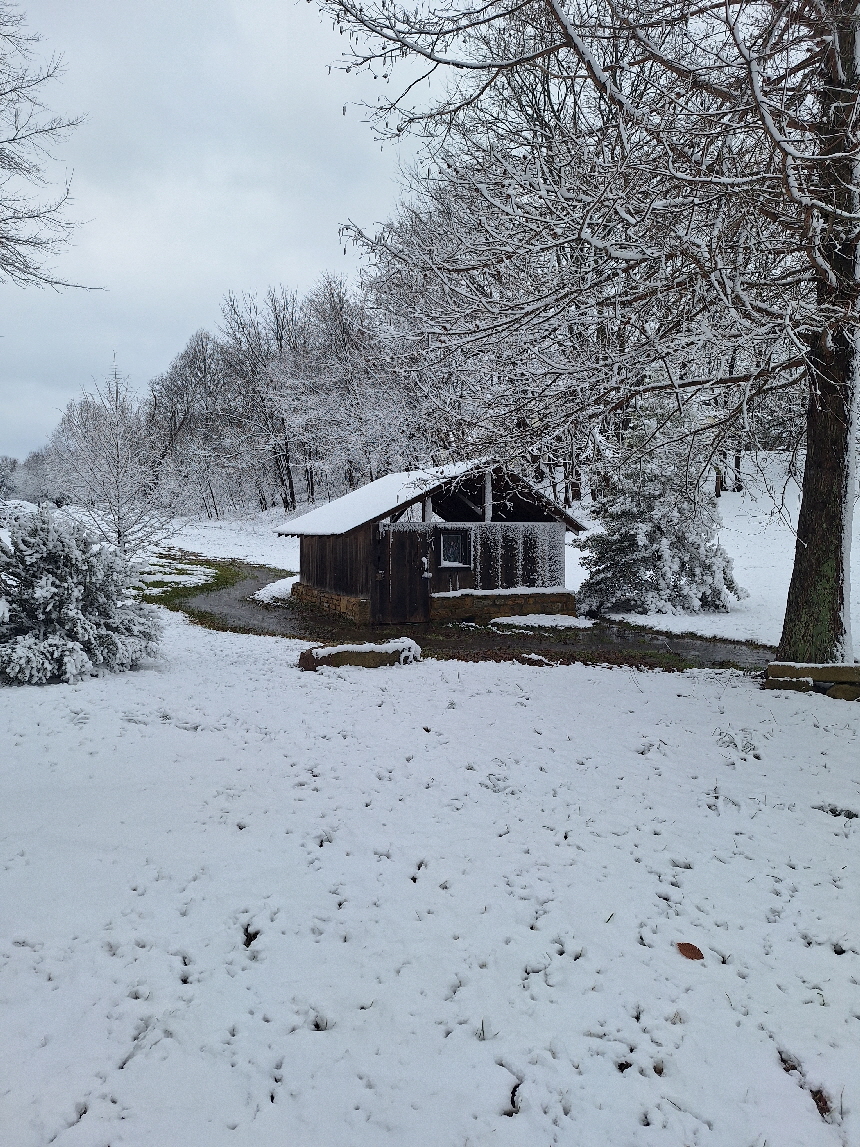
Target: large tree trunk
817, 626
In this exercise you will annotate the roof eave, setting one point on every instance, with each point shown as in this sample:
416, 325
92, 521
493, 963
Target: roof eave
557, 512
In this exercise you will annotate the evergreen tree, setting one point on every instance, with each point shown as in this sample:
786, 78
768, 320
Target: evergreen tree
658, 552
65, 610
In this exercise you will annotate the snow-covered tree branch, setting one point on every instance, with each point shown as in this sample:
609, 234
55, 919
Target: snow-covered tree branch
698, 195
102, 460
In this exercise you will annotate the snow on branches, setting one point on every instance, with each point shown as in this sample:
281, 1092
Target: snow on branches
635, 199
658, 551
65, 611
102, 459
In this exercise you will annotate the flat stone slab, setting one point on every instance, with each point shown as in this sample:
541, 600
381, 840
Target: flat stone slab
483, 605
398, 651
844, 692
788, 670
798, 684
841, 682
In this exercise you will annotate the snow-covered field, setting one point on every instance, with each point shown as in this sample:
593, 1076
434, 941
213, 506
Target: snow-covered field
433, 905
252, 539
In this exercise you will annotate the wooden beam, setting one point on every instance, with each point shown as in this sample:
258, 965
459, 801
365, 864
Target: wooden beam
468, 502
488, 496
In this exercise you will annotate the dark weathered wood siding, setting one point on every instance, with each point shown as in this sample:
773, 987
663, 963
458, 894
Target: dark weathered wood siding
401, 592
339, 562
387, 564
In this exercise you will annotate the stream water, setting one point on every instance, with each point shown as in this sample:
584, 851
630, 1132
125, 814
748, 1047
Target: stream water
612, 642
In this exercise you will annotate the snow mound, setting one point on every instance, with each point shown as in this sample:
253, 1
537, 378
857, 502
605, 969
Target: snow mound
408, 649
276, 590
546, 621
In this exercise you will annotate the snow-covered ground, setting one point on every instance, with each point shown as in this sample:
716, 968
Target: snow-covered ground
277, 590
431, 905
760, 542
545, 621
251, 539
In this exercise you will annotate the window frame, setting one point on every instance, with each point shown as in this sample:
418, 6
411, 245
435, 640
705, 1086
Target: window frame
466, 536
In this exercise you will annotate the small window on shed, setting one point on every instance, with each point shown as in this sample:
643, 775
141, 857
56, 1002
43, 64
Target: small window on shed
455, 549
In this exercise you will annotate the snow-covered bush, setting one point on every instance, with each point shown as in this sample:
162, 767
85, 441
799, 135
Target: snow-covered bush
65, 610
658, 552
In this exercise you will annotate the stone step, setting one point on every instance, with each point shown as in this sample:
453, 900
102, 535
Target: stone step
848, 674
841, 682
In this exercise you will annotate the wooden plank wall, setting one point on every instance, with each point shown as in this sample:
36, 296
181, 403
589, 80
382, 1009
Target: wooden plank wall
402, 593
339, 562
389, 570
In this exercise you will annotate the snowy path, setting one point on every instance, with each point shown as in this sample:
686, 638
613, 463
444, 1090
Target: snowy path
434, 905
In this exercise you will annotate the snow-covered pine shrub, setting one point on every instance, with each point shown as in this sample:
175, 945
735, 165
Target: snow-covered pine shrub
65, 610
658, 552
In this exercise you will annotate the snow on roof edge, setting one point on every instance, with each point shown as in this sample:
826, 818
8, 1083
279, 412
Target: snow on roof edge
374, 500
378, 499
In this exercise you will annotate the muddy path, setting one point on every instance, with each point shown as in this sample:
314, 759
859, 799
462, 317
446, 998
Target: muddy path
230, 608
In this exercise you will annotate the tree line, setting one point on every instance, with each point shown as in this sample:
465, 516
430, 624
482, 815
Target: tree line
289, 401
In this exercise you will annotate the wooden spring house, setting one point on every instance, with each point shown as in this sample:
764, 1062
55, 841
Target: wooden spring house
423, 545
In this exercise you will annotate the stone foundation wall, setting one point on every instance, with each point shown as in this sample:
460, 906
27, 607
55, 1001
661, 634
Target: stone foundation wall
357, 609
463, 606
482, 608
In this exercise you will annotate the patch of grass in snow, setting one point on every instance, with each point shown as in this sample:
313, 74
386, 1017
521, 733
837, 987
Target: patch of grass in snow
175, 595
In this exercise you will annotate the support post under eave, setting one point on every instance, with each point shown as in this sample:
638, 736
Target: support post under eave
427, 510
488, 496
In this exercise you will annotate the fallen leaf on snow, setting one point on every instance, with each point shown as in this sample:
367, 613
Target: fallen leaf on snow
690, 950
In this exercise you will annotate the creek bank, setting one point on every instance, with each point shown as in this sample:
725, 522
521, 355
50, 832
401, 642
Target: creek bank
614, 643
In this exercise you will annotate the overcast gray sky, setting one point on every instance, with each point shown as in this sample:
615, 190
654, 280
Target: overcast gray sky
215, 156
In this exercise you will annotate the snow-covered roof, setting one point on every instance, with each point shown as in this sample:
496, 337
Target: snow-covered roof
371, 502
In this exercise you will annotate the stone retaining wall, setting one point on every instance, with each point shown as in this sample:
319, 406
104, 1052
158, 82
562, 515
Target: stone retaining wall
483, 607
357, 609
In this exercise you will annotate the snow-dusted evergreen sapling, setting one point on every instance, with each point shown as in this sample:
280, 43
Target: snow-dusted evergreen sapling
659, 552
65, 610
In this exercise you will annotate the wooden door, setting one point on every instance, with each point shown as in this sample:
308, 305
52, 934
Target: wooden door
402, 592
